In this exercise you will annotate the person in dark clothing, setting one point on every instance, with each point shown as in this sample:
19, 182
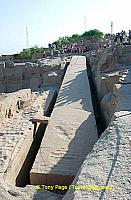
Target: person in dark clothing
121, 36
129, 40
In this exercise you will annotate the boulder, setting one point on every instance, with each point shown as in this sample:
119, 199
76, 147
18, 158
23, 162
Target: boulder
107, 83
52, 78
108, 105
31, 71
49, 65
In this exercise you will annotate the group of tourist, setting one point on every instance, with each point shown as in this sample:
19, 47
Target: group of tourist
84, 46
123, 38
74, 48
71, 48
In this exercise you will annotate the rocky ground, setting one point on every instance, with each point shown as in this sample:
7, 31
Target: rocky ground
16, 110
109, 161
14, 132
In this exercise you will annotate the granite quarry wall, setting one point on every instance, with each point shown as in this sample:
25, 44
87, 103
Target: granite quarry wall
16, 76
110, 67
19, 106
108, 163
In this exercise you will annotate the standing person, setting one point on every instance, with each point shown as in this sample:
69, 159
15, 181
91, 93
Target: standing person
121, 37
115, 39
129, 40
118, 38
49, 47
124, 37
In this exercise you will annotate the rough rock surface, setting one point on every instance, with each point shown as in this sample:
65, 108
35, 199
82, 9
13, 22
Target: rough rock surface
109, 162
16, 136
109, 67
16, 110
12, 102
31, 75
28, 193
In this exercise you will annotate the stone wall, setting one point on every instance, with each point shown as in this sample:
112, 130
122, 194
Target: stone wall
16, 76
109, 67
109, 163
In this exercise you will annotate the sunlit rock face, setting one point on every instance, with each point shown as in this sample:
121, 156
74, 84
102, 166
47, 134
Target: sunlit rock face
108, 163
109, 67
16, 76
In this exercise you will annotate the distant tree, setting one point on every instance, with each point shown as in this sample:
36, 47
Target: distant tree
75, 37
25, 54
62, 40
93, 32
67, 39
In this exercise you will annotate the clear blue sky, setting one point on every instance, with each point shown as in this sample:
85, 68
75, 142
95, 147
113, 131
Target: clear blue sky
49, 19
